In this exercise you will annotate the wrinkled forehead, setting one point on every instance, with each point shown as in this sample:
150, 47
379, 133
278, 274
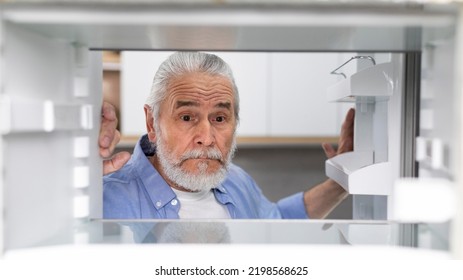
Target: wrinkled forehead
200, 85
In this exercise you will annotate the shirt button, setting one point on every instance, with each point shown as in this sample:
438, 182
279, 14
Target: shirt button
174, 202
158, 204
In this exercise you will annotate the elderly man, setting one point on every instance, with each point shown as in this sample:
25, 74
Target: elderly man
182, 167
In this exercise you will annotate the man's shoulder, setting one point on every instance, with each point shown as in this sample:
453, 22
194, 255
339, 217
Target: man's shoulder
238, 177
236, 171
120, 193
123, 176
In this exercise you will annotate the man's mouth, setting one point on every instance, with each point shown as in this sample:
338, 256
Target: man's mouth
203, 155
203, 158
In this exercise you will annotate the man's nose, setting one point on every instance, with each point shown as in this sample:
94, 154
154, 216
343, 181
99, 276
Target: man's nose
205, 134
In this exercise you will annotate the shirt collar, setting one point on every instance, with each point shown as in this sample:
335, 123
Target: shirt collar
221, 189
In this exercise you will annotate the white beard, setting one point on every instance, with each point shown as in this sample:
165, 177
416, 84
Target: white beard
194, 182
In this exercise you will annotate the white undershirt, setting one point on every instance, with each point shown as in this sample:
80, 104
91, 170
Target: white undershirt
200, 205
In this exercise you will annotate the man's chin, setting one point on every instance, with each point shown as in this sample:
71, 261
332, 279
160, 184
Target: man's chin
197, 180
197, 172
206, 168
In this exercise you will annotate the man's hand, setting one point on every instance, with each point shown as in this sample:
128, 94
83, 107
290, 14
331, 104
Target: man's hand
108, 139
323, 198
346, 139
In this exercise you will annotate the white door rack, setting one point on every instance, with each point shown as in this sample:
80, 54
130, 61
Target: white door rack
371, 84
366, 170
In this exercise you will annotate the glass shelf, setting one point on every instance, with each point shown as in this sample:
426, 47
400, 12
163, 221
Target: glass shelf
325, 232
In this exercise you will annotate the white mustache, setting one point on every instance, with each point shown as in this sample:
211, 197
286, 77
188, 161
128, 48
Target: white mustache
198, 154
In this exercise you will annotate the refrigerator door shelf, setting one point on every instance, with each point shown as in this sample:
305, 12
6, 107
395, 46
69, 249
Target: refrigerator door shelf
372, 84
26, 116
357, 174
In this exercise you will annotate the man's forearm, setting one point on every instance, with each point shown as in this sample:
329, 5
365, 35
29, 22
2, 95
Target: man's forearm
322, 199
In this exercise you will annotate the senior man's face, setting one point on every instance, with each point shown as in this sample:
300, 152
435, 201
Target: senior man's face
195, 133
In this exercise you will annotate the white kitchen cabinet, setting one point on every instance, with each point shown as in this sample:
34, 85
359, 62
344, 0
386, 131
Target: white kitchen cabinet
137, 72
298, 104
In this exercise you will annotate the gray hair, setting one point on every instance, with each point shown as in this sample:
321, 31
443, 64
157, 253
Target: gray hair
181, 63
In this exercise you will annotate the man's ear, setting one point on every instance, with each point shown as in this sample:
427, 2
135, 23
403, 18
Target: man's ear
150, 123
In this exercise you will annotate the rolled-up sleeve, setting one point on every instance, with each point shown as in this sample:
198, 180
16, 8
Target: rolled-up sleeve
292, 207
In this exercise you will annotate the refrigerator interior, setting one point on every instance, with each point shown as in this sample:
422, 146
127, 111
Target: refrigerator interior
407, 135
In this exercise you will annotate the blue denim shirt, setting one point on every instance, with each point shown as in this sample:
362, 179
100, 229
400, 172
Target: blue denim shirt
137, 191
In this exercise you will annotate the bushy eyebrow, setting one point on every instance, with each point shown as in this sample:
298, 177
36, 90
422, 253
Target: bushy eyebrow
181, 103
225, 105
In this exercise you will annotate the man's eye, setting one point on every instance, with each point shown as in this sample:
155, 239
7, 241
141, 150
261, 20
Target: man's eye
219, 119
186, 118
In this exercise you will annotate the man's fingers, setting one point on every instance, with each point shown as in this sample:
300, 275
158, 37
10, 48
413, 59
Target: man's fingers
329, 150
108, 111
109, 136
348, 124
346, 140
106, 152
116, 139
115, 163
108, 139
350, 115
